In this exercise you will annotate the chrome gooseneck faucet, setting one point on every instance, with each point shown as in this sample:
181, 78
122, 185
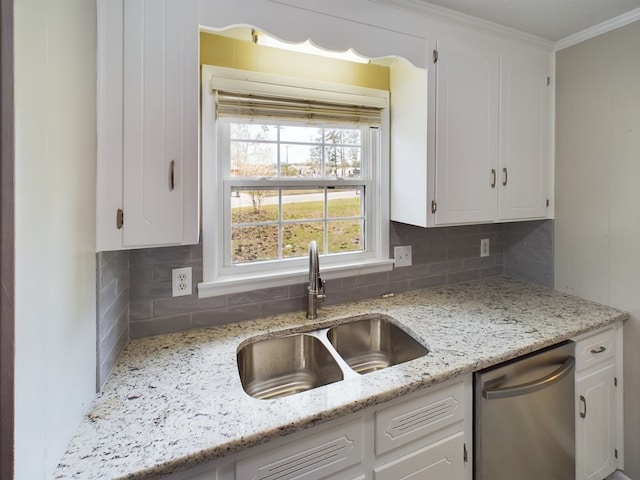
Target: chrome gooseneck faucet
315, 290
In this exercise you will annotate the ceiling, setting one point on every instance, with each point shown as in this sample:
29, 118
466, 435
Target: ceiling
553, 20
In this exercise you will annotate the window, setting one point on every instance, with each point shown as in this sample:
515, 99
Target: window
285, 162
281, 190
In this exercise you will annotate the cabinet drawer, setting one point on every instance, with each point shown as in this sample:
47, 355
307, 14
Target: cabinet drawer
312, 457
596, 348
438, 461
417, 417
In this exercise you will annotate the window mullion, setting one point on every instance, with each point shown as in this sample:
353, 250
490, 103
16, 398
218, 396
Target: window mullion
280, 226
371, 202
293, 183
325, 221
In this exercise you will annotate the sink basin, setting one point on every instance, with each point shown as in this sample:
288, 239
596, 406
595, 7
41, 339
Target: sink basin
374, 343
281, 366
288, 364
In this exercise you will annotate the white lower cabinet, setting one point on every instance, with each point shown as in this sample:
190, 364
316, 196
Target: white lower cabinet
427, 435
424, 435
311, 457
598, 398
439, 460
595, 425
418, 416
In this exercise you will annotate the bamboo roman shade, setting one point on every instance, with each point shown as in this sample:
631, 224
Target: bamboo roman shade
254, 96
252, 107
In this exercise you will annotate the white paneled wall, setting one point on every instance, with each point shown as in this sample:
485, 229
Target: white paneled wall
597, 227
55, 157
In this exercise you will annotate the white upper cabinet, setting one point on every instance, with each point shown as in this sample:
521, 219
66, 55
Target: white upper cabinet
493, 121
466, 134
486, 157
148, 155
525, 119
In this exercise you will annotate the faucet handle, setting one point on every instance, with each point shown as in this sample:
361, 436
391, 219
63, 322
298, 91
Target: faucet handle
321, 297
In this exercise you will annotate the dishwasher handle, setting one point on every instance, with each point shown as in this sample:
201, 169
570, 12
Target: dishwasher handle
529, 387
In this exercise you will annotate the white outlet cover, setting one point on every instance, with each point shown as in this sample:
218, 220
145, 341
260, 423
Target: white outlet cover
181, 282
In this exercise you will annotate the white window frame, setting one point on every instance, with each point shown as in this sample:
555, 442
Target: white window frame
221, 279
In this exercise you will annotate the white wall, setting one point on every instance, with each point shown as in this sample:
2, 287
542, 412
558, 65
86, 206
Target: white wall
597, 227
55, 124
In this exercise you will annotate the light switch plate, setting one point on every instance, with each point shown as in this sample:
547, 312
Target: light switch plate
402, 256
484, 247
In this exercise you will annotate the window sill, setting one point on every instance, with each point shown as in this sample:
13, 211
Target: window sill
283, 277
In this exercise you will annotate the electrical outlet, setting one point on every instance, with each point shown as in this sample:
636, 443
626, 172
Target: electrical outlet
181, 281
484, 247
402, 256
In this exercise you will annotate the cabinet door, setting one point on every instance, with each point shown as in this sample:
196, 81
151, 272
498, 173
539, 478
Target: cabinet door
596, 424
411, 185
466, 134
160, 123
524, 137
440, 460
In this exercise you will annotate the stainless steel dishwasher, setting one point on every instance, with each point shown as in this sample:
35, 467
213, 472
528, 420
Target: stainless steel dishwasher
524, 426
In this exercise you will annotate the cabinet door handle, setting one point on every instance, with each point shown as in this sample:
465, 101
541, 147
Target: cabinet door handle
172, 175
583, 414
600, 350
493, 178
506, 177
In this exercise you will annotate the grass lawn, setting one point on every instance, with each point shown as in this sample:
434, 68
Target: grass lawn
260, 242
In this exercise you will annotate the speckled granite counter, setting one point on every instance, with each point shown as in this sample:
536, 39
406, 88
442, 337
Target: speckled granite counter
175, 401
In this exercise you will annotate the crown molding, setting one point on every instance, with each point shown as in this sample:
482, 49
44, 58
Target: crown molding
601, 28
436, 12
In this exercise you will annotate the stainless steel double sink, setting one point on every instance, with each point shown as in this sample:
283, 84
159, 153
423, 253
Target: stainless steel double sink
284, 365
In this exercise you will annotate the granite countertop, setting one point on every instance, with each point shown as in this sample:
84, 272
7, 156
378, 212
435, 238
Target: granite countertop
175, 401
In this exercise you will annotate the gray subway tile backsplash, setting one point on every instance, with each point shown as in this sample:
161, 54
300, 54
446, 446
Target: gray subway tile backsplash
426, 282
530, 251
164, 307
257, 296
457, 277
112, 310
440, 255
409, 273
221, 316
450, 266
282, 305
160, 325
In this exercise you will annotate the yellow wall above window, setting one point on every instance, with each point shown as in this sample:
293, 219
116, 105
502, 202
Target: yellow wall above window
229, 52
